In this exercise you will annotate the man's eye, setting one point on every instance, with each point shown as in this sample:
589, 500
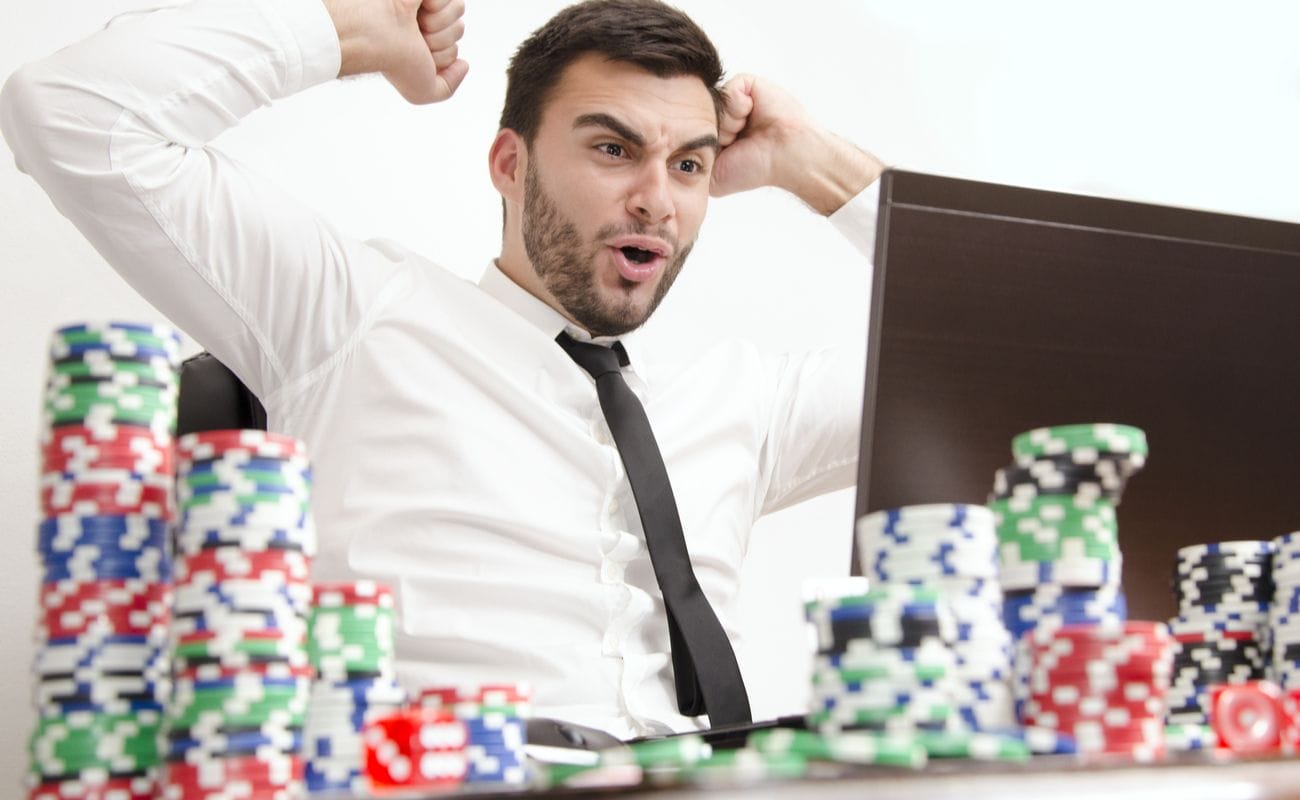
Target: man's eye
690, 166
611, 149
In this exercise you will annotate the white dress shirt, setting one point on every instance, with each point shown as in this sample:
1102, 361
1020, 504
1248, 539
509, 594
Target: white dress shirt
459, 454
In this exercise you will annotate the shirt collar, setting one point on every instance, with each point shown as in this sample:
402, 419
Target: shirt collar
502, 287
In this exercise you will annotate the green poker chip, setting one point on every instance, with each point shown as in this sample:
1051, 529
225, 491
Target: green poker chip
745, 766
861, 747
82, 741
1095, 437
107, 336
911, 674
672, 751
973, 745
153, 370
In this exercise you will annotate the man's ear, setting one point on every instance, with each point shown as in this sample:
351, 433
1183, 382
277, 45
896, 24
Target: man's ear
507, 163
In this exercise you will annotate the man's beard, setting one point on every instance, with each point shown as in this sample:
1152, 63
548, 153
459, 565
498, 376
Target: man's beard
556, 250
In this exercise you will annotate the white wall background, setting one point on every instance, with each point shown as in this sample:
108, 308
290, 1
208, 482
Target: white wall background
1169, 101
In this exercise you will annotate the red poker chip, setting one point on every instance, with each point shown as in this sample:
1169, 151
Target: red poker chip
1215, 636
1110, 716
70, 596
269, 635
159, 462
263, 775
352, 593
106, 623
415, 748
488, 694
205, 445
230, 563
1247, 718
141, 788
1075, 649
107, 500
68, 438
1095, 638
1146, 664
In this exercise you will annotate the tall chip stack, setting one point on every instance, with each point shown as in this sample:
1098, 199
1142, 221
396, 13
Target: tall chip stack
884, 661
243, 588
350, 646
1284, 614
495, 718
1224, 592
1060, 561
951, 548
101, 664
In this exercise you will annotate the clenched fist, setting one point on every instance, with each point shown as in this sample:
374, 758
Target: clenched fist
412, 43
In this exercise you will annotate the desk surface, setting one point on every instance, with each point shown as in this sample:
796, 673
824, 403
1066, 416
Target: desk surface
1193, 776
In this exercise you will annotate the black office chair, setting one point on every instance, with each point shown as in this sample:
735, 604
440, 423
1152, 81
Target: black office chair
212, 398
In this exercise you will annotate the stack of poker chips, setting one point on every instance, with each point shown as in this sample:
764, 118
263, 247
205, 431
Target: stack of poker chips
415, 749
106, 500
1060, 562
243, 589
495, 718
1284, 613
884, 660
1103, 685
951, 548
1224, 593
350, 645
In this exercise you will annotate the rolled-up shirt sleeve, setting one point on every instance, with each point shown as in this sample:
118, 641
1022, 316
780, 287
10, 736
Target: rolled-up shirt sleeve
811, 445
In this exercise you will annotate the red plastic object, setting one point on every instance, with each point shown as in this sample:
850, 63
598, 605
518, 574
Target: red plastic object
1247, 718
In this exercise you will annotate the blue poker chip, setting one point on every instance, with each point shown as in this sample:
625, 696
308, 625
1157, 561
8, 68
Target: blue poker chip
913, 611
203, 517
51, 541
107, 570
101, 525
251, 464
86, 705
512, 726
287, 740
112, 549
322, 779
225, 488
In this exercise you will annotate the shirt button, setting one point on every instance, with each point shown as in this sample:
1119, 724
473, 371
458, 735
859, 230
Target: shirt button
613, 507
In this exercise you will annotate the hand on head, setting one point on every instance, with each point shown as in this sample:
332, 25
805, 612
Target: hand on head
758, 132
413, 43
768, 140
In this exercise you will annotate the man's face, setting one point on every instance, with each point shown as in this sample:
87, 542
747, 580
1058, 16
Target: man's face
616, 188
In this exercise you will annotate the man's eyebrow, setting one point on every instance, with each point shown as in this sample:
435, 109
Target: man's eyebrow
624, 131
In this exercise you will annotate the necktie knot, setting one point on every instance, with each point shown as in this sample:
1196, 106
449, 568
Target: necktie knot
595, 359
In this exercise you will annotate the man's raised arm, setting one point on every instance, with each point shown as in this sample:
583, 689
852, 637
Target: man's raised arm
116, 129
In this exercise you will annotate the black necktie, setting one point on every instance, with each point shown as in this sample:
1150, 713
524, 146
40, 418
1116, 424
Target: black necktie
704, 666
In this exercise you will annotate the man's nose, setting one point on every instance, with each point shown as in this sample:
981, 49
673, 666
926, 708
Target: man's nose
651, 199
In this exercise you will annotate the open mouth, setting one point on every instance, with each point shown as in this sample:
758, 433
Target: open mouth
638, 256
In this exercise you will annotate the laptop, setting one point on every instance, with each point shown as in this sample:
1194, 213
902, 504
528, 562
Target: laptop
998, 309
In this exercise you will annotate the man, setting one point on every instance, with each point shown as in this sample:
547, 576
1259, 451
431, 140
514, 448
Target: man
460, 453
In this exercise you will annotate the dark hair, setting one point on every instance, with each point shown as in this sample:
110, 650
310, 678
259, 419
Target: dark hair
652, 35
